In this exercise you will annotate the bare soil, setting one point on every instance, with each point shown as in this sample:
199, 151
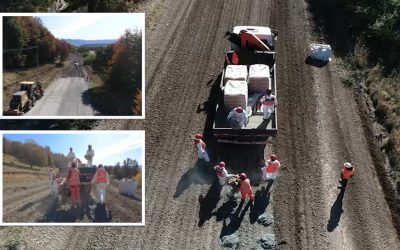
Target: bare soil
319, 128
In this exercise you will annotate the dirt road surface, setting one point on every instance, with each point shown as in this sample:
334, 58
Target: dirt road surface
33, 202
319, 128
64, 96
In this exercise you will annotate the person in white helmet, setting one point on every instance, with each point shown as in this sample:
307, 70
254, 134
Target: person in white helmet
70, 157
346, 174
201, 148
222, 173
237, 118
89, 156
269, 103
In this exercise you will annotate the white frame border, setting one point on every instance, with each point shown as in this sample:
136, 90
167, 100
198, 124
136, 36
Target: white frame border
75, 117
2, 132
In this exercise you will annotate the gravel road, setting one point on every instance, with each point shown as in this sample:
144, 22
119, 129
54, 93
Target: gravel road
64, 97
319, 128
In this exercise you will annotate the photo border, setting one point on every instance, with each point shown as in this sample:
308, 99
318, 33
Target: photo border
2, 223
2, 116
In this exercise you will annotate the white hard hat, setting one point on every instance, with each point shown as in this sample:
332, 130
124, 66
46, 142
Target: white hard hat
347, 165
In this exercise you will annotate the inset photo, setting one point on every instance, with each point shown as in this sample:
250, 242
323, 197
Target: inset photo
73, 66
73, 178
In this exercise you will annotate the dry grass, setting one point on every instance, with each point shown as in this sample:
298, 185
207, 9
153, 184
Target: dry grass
44, 74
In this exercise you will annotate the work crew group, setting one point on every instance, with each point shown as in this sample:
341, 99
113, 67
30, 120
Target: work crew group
101, 178
269, 171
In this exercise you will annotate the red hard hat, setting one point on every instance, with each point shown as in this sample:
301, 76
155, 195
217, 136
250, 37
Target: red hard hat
243, 176
222, 164
198, 136
239, 109
273, 157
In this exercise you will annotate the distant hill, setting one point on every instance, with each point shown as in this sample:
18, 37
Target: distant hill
91, 43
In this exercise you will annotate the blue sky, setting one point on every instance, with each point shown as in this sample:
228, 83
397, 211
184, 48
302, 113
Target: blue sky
108, 148
92, 26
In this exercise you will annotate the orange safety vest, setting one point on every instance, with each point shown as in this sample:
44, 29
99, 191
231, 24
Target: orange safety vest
272, 166
219, 171
75, 177
347, 174
269, 102
245, 186
101, 176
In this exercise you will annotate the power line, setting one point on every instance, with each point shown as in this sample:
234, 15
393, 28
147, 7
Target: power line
19, 49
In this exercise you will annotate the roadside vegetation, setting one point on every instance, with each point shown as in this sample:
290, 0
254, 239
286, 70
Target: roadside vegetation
74, 5
118, 91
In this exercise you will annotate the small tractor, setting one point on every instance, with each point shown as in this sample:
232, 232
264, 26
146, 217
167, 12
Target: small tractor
24, 99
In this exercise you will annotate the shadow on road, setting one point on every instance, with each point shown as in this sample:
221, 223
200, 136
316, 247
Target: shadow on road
101, 214
209, 202
261, 202
226, 209
132, 197
235, 220
336, 212
316, 63
201, 173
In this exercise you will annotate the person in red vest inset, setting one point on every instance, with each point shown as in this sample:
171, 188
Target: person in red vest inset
271, 167
101, 179
245, 187
346, 174
73, 179
201, 148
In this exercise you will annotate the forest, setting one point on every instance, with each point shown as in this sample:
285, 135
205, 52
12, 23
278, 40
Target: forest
120, 68
27, 43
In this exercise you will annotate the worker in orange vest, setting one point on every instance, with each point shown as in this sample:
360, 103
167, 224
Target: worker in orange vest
269, 103
245, 187
271, 167
346, 174
74, 182
201, 147
101, 179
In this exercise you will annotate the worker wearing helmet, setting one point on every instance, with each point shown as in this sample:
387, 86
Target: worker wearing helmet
269, 103
89, 156
346, 174
271, 167
101, 179
245, 187
74, 182
201, 148
52, 179
222, 173
237, 118
70, 157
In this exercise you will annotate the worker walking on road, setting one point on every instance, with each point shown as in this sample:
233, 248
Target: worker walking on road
70, 157
101, 179
237, 118
201, 148
346, 174
52, 179
269, 103
271, 167
89, 156
222, 174
245, 187
74, 182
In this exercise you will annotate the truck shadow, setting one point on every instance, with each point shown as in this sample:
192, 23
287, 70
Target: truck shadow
336, 212
209, 202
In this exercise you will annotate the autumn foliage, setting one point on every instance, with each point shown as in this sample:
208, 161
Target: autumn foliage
21, 33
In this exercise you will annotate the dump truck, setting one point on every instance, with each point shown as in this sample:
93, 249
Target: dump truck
86, 176
249, 70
